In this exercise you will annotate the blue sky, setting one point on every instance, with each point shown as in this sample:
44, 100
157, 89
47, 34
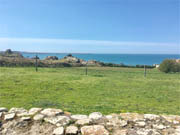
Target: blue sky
90, 26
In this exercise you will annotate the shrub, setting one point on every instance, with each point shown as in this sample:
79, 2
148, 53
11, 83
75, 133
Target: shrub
8, 51
169, 65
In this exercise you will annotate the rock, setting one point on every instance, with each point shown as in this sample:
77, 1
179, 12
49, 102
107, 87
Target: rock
51, 58
26, 118
22, 124
151, 116
169, 131
58, 131
60, 120
131, 116
79, 117
24, 114
92, 62
160, 127
9, 116
7, 128
95, 124
71, 130
38, 117
172, 118
122, 123
52, 120
177, 131
3, 109
140, 124
52, 112
33, 111
175, 122
143, 131
94, 130
16, 127
82, 122
108, 117
19, 111
113, 121
71, 59
120, 132
95, 116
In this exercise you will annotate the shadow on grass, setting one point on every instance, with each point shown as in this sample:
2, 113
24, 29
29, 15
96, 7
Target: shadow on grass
46, 104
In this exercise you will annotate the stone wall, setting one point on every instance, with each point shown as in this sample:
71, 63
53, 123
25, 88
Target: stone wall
38, 121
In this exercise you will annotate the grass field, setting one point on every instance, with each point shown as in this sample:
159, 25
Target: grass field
108, 90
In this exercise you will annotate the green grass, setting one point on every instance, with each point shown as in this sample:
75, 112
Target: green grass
107, 90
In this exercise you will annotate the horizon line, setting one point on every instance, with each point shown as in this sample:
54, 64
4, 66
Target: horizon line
92, 53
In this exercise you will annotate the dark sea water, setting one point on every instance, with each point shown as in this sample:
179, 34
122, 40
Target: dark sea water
128, 59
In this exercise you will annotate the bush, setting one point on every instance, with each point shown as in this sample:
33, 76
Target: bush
169, 65
8, 51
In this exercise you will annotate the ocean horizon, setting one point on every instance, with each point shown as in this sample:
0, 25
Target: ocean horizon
127, 59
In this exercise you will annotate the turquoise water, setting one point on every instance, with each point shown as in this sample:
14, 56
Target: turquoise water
128, 59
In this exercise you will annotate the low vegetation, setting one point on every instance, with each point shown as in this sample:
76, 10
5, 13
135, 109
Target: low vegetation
169, 65
10, 54
104, 89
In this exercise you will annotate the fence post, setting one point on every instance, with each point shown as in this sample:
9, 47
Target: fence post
144, 70
36, 63
86, 70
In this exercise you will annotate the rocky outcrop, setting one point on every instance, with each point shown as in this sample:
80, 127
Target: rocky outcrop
11, 54
94, 63
51, 58
16, 59
38, 121
71, 59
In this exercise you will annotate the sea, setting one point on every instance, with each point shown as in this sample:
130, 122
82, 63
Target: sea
127, 59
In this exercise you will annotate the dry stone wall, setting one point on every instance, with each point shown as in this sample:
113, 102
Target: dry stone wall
38, 121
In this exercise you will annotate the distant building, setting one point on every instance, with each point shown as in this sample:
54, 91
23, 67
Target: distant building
156, 65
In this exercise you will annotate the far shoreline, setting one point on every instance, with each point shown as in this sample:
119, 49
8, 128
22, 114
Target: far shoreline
30, 52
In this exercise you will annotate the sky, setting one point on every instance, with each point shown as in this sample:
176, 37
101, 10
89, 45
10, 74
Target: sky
91, 26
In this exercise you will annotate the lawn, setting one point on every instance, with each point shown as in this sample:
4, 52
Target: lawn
107, 90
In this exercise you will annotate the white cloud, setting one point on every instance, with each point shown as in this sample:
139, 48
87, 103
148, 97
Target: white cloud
81, 42
90, 46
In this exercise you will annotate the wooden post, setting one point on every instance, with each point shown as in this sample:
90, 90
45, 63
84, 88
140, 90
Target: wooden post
144, 70
36, 63
86, 70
